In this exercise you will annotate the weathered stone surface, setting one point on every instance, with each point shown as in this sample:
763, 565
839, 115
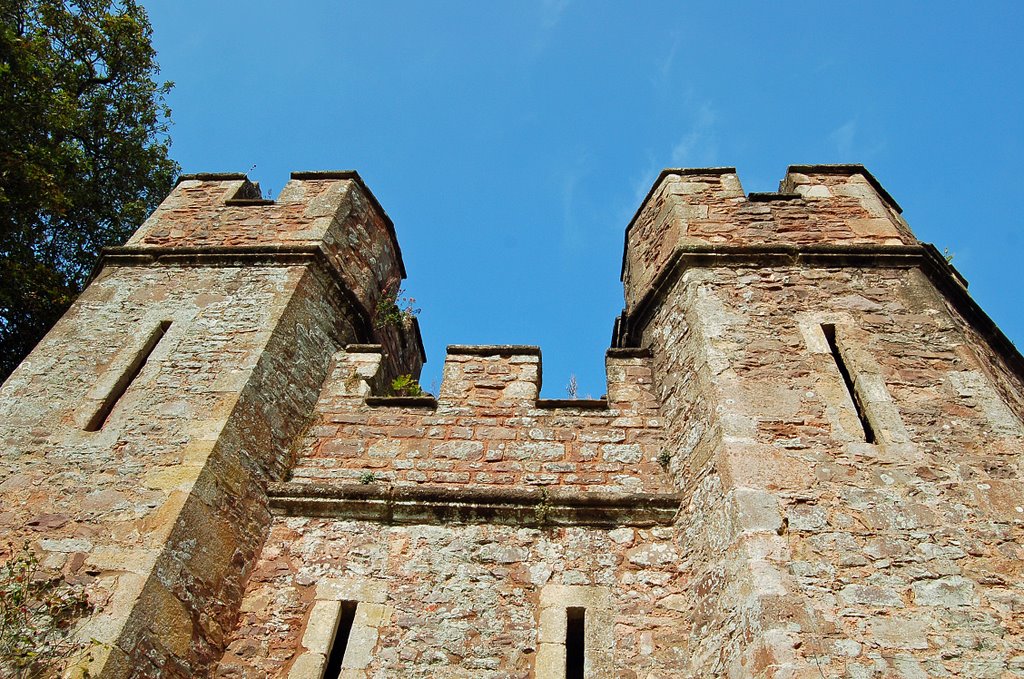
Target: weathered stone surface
807, 462
170, 487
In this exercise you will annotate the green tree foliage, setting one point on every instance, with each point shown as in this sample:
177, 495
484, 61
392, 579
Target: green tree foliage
83, 151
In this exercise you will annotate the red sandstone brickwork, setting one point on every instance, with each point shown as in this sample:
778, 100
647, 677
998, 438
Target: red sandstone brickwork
487, 428
700, 207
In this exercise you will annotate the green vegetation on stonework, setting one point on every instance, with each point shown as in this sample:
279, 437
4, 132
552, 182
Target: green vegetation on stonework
83, 154
394, 308
367, 478
405, 385
38, 611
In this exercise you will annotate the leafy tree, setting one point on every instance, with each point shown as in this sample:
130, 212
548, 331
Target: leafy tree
83, 151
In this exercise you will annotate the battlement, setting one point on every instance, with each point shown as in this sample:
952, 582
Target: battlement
699, 208
334, 211
222, 210
327, 217
487, 427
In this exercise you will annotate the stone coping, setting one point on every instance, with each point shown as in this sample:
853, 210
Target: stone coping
364, 348
495, 349
503, 350
769, 195
402, 401
327, 174
581, 403
628, 352
431, 504
540, 403
211, 177
249, 202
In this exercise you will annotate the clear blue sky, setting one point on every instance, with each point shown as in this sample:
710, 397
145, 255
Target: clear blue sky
511, 142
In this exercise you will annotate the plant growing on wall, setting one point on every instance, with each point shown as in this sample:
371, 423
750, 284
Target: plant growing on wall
405, 385
394, 308
37, 613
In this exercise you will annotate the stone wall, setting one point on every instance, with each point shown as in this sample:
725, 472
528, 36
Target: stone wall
842, 557
463, 601
104, 503
140, 435
901, 554
487, 427
807, 463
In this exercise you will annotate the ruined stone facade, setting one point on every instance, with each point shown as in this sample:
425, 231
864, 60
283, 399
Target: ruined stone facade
807, 463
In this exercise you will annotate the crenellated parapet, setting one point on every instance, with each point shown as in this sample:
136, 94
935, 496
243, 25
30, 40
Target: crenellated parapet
487, 427
330, 218
705, 210
823, 216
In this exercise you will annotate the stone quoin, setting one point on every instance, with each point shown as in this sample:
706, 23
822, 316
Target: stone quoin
807, 462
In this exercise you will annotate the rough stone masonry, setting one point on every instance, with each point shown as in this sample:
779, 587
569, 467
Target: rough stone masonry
807, 463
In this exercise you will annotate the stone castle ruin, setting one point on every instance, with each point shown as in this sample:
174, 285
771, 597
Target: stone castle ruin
807, 463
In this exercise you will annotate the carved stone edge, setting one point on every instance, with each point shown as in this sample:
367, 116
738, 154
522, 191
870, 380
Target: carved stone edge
431, 504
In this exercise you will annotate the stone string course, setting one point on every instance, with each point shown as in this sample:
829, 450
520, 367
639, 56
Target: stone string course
718, 513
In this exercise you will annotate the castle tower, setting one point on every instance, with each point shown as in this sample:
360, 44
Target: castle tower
139, 436
844, 423
807, 462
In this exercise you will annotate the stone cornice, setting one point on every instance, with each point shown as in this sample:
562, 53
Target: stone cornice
444, 505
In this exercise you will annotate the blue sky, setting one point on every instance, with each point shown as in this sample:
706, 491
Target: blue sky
511, 143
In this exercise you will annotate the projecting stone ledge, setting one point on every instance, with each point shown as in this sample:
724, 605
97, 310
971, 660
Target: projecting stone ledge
442, 504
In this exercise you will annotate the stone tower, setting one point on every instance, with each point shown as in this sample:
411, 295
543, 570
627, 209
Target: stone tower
807, 462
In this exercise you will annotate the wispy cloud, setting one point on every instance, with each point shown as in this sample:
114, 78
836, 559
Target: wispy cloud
843, 138
549, 16
699, 146
661, 76
642, 183
551, 12
572, 236
850, 145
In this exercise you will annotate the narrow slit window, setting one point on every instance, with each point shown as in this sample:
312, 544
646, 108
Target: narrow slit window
132, 371
830, 336
575, 651
341, 635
